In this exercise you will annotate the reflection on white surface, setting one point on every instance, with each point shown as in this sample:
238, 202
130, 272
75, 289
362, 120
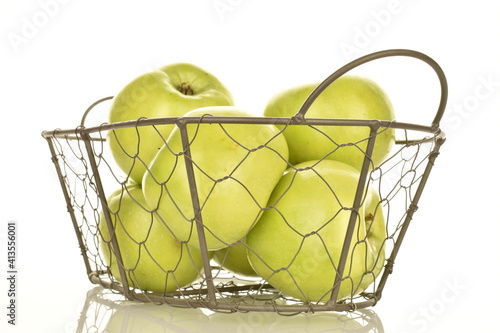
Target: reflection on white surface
105, 312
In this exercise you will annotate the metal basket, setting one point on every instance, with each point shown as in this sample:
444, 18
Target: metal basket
87, 175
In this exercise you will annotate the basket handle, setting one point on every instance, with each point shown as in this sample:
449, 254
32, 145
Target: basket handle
85, 114
378, 55
346, 68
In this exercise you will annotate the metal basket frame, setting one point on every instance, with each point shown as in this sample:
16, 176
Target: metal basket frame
211, 291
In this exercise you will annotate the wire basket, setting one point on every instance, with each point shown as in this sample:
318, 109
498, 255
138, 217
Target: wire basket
88, 176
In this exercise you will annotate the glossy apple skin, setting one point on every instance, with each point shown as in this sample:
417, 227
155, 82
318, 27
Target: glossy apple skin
155, 261
236, 167
170, 91
235, 260
297, 244
348, 97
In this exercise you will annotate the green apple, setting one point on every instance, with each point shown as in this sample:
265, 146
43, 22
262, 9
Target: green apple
376, 235
153, 259
296, 245
348, 97
234, 258
236, 167
170, 91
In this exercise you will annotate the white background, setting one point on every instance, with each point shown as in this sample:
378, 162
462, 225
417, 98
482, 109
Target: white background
57, 57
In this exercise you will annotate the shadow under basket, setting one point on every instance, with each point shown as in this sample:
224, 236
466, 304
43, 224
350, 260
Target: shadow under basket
88, 174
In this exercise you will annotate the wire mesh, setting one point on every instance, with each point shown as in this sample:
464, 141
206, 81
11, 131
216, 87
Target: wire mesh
123, 259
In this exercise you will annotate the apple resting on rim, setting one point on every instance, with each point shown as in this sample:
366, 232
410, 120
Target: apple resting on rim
170, 91
348, 97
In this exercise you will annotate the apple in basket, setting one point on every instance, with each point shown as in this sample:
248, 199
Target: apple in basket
235, 167
170, 91
234, 259
154, 260
296, 245
348, 97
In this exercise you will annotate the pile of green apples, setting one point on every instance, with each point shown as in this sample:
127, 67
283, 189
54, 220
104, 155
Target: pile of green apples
271, 202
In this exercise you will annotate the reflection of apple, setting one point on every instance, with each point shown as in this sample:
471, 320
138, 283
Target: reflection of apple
296, 245
153, 258
169, 91
236, 167
235, 260
319, 322
240, 321
274, 322
348, 97
154, 318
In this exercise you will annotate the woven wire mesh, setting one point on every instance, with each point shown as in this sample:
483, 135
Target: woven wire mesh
88, 175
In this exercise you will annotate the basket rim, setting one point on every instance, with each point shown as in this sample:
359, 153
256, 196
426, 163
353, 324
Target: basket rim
254, 120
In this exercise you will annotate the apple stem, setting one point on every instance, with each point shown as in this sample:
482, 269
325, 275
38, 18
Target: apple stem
186, 89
